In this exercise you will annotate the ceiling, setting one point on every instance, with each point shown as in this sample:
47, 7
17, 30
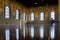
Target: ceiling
37, 3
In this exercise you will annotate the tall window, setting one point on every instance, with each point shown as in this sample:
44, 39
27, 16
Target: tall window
7, 34
17, 33
7, 12
32, 31
32, 16
41, 31
24, 16
52, 15
17, 14
41, 16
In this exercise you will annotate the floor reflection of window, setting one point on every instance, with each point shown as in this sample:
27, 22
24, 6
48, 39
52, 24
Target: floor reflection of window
52, 32
41, 31
32, 31
41, 16
7, 12
32, 16
17, 33
52, 15
7, 34
17, 14
24, 32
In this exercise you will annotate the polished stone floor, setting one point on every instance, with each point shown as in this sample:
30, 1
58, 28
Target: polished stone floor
43, 31
30, 32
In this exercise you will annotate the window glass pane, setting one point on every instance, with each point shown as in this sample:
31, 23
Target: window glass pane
7, 34
42, 16
32, 16
17, 33
52, 15
7, 12
17, 14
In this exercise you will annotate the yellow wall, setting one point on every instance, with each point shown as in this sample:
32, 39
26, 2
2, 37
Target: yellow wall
36, 10
46, 9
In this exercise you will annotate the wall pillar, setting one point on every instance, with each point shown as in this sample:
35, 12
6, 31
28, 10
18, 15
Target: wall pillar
58, 19
59, 10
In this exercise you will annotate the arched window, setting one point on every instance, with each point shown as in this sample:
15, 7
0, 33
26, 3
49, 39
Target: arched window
41, 31
32, 31
17, 33
17, 14
32, 16
52, 15
7, 12
7, 34
41, 16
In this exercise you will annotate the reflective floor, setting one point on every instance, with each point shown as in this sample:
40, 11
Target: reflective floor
43, 31
29, 32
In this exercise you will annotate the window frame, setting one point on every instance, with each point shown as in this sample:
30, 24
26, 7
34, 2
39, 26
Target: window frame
18, 14
9, 11
54, 15
43, 16
33, 16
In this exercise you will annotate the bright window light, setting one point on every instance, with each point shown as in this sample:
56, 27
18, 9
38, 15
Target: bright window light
52, 15
7, 12
41, 16
17, 33
41, 31
32, 16
17, 14
32, 31
7, 34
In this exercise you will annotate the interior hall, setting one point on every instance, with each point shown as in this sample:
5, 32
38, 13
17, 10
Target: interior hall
29, 19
